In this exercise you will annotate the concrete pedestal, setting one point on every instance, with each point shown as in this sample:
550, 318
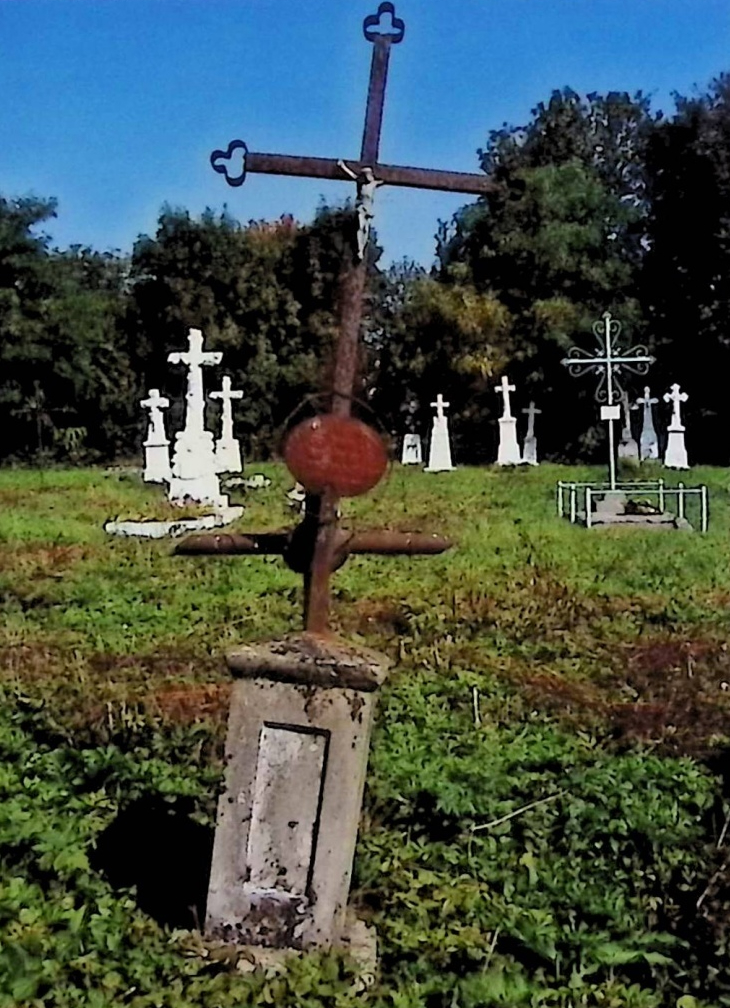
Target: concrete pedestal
529, 451
628, 448
439, 450
194, 474
157, 462
412, 453
296, 753
508, 452
228, 456
675, 456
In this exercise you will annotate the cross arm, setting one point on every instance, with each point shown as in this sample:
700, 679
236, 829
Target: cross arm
330, 168
383, 541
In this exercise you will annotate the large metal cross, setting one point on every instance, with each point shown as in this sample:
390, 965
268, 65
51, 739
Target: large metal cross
608, 361
318, 545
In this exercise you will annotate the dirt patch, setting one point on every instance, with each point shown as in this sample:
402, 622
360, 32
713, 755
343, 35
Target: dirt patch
187, 704
375, 616
673, 693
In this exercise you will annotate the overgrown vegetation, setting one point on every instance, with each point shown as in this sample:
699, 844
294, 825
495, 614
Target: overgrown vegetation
547, 813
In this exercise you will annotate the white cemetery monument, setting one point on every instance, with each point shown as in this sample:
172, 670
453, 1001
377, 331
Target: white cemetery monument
194, 473
648, 442
508, 452
627, 446
529, 448
676, 454
156, 445
412, 453
439, 450
227, 448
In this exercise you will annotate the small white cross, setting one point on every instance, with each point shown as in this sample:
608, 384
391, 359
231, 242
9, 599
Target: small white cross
504, 389
675, 397
226, 396
440, 405
155, 401
647, 400
531, 411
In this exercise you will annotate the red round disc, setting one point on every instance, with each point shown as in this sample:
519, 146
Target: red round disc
335, 453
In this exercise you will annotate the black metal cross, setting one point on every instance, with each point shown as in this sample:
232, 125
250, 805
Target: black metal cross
318, 546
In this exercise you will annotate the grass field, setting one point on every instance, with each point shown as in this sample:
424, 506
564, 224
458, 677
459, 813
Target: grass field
574, 685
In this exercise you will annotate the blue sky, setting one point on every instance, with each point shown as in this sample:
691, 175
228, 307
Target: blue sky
113, 106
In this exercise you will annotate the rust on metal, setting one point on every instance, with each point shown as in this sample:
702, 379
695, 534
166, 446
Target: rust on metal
385, 542
395, 175
318, 546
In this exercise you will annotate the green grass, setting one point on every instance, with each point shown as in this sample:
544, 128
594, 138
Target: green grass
597, 663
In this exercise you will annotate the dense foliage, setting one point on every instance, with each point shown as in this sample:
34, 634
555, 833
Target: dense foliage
546, 815
601, 204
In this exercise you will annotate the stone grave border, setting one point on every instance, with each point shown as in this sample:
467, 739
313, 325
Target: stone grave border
571, 489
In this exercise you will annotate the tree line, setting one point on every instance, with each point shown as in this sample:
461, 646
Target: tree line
601, 204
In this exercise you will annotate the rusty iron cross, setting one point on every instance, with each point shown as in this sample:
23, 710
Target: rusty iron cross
318, 545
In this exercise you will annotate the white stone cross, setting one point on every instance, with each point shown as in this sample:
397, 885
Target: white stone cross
226, 396
196, 359
608, 362
647, 399
531, 411
675, 397
504, 389
440, 405
156, 403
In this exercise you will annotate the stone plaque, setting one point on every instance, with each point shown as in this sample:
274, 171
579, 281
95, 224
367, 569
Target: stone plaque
285, 807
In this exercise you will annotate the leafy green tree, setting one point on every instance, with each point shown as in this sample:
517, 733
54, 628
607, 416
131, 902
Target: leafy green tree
687, 272
62, 355
559, 242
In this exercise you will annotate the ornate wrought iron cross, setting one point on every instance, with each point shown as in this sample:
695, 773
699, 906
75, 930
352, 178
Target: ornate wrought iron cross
608, 361
318, 545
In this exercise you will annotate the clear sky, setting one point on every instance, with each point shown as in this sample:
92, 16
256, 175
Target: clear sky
113, 106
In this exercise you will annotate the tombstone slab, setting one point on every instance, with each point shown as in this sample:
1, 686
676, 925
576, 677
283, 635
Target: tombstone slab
439, 450
194, 475
227, 448
508, 451
648, 442
296, 753
529, 447
675, 456
412, 453
156, 444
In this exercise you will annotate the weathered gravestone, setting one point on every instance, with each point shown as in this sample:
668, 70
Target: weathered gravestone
529, 449
194, 475
675, 456
227, 448
627, 446
156, 444
648, 441
412, 451
439, 448
300, 713
508, 451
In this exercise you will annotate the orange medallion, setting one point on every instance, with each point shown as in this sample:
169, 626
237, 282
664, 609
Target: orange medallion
339, 454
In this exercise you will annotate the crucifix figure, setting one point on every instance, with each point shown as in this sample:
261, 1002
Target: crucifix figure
319, 539
439, 449
193, 464
227, 448
156, 445
529, 452
508, 451
675, 456
608, 362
